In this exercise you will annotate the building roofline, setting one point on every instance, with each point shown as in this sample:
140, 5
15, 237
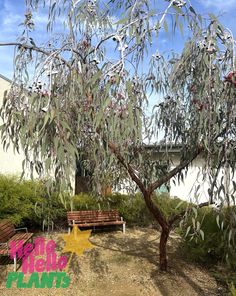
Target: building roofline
162, 147
5, 78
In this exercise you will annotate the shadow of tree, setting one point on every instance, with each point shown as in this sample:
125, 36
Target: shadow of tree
97, 264
142, 247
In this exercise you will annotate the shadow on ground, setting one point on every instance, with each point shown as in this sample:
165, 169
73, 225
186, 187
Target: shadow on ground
125, 265
143, 245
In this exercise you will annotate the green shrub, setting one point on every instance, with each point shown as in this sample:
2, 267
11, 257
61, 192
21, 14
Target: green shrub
30, 203
84, 202
207, 238
27, 202
170, 206
18, 198
50, 209
131, 207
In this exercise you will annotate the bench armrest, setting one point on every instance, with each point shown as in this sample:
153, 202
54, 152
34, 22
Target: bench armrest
25, 228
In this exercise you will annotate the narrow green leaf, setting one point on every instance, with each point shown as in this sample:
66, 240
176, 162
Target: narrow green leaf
165, 26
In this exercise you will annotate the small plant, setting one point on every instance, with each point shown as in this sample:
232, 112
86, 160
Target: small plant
50, 210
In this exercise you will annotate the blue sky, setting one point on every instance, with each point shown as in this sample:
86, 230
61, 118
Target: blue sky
12, 13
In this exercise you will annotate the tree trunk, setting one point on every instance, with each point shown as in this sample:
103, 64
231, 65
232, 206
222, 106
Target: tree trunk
82, 184
165, 228
162, 249
106, 190
82, 179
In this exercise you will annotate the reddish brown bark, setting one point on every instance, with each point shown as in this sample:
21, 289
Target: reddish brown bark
163, 249
165, 229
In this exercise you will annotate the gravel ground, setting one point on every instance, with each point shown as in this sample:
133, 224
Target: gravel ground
123, 265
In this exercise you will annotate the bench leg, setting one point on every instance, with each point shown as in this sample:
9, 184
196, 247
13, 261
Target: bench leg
14, 264
124, 228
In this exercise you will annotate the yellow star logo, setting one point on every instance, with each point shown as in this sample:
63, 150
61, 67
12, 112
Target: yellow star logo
76, 242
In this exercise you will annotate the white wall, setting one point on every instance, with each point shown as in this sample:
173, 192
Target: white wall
186, 189
196, 178
10, 162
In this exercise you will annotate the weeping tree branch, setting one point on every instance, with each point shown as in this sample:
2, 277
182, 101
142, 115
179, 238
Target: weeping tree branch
175, 171
120, 31
180, 215
128, 167
38, 49
215, 178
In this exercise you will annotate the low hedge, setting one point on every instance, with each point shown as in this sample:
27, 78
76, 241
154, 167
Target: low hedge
18, 198
28, 202
131, 207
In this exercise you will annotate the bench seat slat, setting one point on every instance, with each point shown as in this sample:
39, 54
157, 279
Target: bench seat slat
3, 250
94, 218
8, 234
21, 236
98, 223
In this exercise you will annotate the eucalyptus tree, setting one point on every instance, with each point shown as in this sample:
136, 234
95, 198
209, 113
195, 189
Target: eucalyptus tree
85, 94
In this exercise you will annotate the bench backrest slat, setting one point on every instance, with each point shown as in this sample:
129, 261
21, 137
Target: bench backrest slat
7, 230
93, 216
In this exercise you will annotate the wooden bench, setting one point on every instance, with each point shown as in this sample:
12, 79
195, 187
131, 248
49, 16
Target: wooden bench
9, 233
95, 218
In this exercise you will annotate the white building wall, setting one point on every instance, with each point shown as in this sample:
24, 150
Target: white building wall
196, 178
187, 189
10, 162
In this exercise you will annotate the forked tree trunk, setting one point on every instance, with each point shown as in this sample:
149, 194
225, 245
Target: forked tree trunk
165, 228
162, 249
147, 192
